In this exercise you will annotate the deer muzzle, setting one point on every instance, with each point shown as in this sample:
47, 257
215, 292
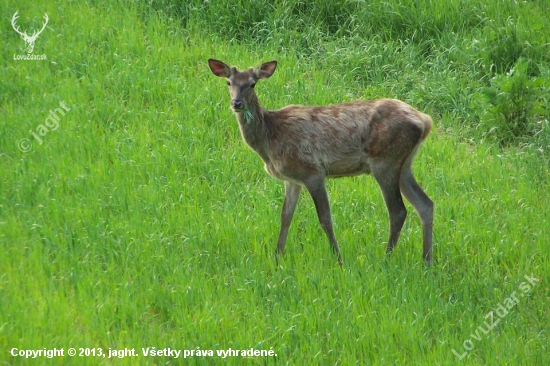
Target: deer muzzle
237, 104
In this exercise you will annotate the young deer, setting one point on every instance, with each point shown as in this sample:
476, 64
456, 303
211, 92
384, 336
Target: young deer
303, 145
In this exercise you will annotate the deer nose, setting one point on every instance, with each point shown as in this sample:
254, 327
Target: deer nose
237, 104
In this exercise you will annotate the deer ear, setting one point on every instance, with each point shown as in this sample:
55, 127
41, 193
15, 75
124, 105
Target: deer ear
219, 68
265, 70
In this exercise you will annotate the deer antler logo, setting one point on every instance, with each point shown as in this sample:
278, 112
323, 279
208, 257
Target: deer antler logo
29, 40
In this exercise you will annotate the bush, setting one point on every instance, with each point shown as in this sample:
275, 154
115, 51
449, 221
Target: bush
513, 106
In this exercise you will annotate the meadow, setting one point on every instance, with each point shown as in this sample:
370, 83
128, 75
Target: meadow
141, 220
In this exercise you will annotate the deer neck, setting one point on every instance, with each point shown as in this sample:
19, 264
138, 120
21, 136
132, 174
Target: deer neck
253, 127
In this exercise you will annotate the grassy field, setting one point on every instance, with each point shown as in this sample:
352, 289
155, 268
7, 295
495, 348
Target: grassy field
140, 219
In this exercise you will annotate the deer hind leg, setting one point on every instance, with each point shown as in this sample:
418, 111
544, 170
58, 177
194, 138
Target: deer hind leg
387, 176
292, 193
422, 204
317, 190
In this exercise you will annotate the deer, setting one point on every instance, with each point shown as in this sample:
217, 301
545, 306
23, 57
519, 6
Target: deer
305, 145
29, 40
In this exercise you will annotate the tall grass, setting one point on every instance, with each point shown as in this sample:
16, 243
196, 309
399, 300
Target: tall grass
144, 221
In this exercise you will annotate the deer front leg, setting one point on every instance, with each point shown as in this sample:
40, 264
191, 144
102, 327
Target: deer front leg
317, 190
292, 193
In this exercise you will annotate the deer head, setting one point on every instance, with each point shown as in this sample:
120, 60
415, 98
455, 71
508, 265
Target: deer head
29, 40
241, 83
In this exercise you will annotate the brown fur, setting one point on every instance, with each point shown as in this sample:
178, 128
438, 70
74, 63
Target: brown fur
303, 145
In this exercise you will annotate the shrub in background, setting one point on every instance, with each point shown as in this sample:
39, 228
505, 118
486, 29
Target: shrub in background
514, 107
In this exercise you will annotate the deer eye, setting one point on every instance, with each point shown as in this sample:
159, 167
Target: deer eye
228, 82
252, 85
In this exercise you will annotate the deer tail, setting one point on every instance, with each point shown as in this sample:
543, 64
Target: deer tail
428, 124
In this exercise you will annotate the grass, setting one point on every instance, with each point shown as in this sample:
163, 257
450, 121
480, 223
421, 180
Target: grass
143, 220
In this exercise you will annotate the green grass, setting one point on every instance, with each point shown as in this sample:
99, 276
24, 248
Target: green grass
143, 220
